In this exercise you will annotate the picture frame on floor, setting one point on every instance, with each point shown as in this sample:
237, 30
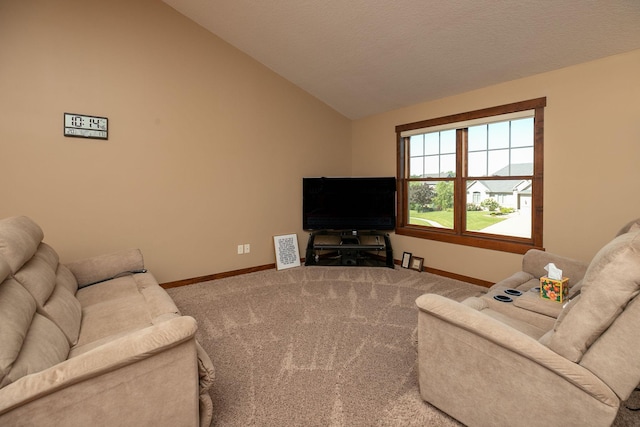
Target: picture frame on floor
417, 263
287, 252
406, 259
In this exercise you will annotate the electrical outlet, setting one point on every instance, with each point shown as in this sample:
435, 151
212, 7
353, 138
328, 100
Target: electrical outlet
240, 249
247, 248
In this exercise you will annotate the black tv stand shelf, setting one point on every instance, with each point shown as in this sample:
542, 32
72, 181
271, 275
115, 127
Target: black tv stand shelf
349, 248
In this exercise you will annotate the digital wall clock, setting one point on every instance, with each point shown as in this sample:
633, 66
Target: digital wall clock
83, 126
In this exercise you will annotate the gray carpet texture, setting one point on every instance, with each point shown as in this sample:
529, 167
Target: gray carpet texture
318, 346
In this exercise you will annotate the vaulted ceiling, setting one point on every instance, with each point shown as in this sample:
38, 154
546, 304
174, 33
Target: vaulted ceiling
364, 57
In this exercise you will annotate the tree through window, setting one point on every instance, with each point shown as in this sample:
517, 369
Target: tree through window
474, 178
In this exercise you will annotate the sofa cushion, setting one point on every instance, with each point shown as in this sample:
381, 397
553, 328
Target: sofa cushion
111, 308
66, 279
126, 303
5, 270
611, 281
485, 306
52, 292
531, 301
19, 240
44, 346
17, 309
30, 342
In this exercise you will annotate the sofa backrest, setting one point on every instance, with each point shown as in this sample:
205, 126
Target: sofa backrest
19, 240
612, 280
39, 314
53, 287
634, 224
29, 342
593, 328
35, 265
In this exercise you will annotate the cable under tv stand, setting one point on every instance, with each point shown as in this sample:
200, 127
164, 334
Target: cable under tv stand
349, 248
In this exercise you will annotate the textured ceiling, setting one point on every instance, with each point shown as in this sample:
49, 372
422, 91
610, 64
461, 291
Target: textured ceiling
364, 57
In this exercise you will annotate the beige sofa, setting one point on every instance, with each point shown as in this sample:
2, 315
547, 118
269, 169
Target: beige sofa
93, 343
528, 312
534, 362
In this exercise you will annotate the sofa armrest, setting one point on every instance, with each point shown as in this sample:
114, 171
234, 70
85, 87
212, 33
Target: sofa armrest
492, 339
108, 359
532, 301
535, 260
104, 267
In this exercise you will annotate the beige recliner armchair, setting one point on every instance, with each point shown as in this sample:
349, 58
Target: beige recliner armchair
530, 361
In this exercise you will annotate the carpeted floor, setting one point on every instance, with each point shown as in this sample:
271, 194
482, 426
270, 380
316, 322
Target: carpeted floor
318, 346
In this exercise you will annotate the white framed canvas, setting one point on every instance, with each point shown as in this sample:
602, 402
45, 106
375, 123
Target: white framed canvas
287, 253
406, 259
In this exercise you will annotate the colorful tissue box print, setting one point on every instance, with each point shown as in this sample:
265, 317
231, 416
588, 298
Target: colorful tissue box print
554, 290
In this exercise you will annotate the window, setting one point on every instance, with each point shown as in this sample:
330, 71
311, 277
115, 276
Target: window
476, 197
474, 178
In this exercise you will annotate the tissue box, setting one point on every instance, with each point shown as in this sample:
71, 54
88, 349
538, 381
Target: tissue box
553, 289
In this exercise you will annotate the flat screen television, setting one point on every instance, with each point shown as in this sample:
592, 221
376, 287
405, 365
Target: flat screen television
357, 203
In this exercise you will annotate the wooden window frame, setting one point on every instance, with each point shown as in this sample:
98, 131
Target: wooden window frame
457, 235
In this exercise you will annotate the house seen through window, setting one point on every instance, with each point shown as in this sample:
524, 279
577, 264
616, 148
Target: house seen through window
474, 178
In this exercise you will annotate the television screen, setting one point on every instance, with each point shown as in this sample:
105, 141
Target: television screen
349, 203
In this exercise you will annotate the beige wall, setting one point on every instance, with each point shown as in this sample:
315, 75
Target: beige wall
592, 158
206, 147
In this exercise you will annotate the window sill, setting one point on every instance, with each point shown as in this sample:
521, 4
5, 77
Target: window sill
497, 243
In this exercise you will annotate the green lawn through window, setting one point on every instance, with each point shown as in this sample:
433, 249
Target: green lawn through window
476, 220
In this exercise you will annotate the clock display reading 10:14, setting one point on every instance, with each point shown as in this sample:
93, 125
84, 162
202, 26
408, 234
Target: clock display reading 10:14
83, 126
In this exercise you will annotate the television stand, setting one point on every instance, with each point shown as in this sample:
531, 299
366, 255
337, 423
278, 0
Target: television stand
349, 248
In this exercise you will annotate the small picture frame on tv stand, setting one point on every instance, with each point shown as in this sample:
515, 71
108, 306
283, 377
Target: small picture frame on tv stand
406, 259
